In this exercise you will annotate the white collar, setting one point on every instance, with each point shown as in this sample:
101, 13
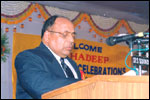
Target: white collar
55, 55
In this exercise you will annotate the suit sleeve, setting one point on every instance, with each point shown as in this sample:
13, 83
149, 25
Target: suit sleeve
33, 76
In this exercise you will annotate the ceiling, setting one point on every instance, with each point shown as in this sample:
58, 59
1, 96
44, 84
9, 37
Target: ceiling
136, 11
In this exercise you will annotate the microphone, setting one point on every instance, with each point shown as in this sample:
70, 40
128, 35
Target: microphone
141, 41
117, 39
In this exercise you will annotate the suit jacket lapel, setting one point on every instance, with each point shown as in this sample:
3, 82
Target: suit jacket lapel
58, 70
55, 66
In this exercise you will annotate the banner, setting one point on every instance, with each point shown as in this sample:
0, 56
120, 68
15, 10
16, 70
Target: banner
99, 59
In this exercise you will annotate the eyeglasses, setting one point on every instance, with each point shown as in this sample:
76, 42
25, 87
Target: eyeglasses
65, 34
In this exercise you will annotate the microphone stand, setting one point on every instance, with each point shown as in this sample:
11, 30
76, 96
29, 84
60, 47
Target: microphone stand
131, 43
130, 46
139, 54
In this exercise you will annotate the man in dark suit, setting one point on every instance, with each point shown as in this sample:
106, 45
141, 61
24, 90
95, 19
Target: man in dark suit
42, 69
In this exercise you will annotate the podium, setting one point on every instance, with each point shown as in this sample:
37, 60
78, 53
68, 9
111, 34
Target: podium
104, 87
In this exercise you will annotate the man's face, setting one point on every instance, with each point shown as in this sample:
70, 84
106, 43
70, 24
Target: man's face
61, 43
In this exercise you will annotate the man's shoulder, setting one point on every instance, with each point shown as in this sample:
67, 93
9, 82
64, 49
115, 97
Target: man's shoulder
28, 52
34, 51
39, 52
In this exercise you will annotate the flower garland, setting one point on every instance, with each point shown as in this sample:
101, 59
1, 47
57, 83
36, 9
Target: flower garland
4, 47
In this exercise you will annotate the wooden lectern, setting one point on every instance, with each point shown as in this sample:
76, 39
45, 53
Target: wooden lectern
104, 87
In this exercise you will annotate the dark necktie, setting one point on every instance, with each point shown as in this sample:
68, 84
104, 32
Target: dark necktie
66, 68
